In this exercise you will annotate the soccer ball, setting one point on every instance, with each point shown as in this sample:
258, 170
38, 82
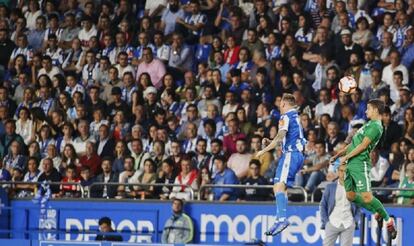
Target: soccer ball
347, 84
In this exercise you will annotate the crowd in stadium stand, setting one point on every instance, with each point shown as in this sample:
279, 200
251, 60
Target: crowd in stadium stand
183, 92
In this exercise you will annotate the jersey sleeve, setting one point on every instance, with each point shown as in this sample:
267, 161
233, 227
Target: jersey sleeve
284, 123
373, 132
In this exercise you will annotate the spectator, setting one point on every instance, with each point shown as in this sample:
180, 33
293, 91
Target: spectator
339, 216
167, 175
334, 136
372, 91
105, 143
90, 160
239, 161
15, 157
4, 173
153, 66
392, 132
187, 179
254, 179
107, 176
379, 168
407, 197
50, 174
147, 177
224, 176
67, 189
229, 141
399, 107
106, 231
388, 73
179, 228
314, 170
326, 104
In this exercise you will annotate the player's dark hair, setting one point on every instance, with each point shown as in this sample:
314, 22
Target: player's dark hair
377, 104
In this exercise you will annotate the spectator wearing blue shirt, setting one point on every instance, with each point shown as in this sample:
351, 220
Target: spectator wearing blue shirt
37, 35
224, 176
4, 174
358, 104
407, 50
237, 86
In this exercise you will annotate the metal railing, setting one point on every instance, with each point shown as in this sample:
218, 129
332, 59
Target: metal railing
36, 184
187, 187
238, 186
373, 189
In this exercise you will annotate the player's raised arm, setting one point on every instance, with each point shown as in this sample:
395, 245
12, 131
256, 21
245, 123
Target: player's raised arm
357, 150
339, 154
276, 142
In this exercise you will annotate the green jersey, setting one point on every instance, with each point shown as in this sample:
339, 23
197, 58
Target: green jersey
372, 130
405, 197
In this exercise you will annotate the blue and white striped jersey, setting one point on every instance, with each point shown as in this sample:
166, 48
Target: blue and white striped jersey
294, 139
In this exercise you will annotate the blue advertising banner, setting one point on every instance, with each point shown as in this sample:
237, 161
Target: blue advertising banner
219, 223
4, 212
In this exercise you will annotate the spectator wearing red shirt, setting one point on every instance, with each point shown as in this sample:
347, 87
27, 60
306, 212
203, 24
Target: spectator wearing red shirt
70, 190
231, 54
229, 141
91, 160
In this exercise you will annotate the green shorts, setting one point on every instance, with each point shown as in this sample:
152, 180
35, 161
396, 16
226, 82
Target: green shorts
357, 176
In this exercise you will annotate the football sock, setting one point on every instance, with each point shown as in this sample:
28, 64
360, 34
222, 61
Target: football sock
281, 204
379, 208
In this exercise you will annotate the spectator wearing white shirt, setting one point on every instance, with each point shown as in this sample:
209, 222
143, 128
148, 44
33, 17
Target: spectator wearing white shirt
87, 32
163, 50
326, 104
388, 73
380, 166
48, 68
90, 70
154, 7
123, 65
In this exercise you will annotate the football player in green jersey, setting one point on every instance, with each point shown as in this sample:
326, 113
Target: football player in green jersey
358, 164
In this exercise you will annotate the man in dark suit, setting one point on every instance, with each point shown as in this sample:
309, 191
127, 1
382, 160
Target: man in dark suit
107, 176
106, 144
107, 233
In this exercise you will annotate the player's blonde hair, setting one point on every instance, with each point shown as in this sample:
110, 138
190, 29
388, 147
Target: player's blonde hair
289, 98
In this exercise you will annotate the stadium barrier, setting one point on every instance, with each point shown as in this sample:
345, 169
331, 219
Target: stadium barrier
12, 184
321, 189
236, 186
187, 187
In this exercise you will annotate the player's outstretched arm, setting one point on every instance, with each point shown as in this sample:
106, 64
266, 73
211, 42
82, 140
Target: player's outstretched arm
276, 142
358, 149
339, 154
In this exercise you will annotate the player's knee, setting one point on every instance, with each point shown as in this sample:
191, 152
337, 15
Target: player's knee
350, 196
367, 197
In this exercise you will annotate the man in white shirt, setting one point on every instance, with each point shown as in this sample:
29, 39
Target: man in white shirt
395, 65
379, 167
326, 104
338, 215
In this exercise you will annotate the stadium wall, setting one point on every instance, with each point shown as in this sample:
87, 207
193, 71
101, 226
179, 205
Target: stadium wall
215, 223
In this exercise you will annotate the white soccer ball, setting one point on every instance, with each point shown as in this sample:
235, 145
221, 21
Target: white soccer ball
347, 84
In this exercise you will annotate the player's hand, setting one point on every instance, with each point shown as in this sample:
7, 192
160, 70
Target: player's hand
343, 160
265, 141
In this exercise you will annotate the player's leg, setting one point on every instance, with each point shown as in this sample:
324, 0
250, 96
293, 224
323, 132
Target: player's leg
289, 164
351, 180
279, 190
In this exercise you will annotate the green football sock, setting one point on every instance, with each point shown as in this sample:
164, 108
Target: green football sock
379, 208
